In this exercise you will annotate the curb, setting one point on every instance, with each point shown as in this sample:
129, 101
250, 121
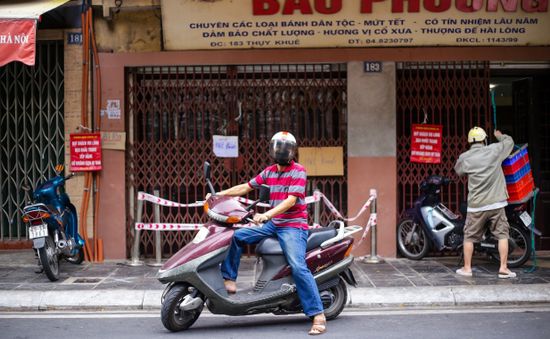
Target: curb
370, 298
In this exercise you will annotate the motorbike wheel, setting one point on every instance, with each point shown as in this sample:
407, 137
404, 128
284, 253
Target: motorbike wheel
49, 259
173, 318
522, 252
339, 295
78, 258
412, 244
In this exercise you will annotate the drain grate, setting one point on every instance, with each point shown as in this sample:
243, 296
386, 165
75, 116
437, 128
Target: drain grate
87, 281
84, 280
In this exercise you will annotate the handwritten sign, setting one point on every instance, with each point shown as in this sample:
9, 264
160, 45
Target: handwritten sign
322, 161
226, 146
85, 152
113, 140
426, 143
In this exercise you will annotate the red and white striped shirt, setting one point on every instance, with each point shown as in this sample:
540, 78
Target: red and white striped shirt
290, 181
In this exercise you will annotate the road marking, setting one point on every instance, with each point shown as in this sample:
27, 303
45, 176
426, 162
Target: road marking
351, 313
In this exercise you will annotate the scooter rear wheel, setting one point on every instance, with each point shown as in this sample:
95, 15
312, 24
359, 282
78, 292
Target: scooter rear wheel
339, 296
519, 255
173, 318
49, 259
412, 241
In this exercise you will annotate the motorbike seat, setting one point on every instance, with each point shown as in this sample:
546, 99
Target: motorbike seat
271, 246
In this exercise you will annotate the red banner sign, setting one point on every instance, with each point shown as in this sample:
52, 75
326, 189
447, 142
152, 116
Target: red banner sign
85, 152
17, 41
426, 143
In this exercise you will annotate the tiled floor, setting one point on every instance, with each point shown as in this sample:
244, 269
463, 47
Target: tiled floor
17, 272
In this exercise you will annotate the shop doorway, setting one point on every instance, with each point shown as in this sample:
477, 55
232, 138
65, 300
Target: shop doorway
522, 98
452, 94
32, 136
175, 110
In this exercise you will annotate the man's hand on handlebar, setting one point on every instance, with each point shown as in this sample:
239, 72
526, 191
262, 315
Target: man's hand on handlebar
260, 218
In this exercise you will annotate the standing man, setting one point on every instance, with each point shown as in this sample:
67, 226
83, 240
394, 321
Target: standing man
487, 195
287, 220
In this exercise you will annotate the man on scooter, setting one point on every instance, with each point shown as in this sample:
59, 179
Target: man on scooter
287, 220
487, 195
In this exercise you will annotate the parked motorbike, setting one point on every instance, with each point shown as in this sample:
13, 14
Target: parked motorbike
194, 277
430, 225
53, 225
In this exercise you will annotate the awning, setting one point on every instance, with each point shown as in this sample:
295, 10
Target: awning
18, 28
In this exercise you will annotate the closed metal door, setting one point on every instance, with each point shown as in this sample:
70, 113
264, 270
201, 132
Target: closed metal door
32, 137
175, 111
452, 94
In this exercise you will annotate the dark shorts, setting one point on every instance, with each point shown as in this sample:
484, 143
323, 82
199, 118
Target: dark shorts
494, 219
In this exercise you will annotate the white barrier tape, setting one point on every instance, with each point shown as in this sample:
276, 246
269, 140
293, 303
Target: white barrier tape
370, 223
317, 196
159, 201
339, 215
187, 227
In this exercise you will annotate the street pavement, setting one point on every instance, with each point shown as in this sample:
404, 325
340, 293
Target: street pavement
391, 284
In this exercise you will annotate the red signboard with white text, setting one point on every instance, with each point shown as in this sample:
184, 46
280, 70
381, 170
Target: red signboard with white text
426, 143
17, 41
85, 152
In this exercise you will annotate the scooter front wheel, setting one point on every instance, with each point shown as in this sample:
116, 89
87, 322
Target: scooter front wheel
49, 259
412, 241
78, 258
173, 317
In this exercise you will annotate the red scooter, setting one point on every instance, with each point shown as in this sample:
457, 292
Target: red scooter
194, 277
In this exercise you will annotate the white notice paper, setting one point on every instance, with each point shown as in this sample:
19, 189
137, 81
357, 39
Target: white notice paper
226, 146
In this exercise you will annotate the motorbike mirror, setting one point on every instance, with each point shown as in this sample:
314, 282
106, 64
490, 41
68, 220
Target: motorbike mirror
207, 170
207, 176
264, 193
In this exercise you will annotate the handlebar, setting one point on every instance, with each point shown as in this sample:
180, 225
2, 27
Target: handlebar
72, 174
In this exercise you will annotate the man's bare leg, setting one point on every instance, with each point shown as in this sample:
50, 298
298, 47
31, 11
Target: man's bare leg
468, 249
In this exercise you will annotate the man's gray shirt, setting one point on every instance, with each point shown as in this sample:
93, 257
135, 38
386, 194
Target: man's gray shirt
483, 165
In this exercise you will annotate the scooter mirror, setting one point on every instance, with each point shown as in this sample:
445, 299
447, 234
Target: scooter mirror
264, 193
207, 170
207, 176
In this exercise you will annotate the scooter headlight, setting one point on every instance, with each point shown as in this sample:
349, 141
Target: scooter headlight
232, 219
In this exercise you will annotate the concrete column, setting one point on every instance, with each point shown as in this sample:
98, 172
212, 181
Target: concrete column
72, 106
372, 150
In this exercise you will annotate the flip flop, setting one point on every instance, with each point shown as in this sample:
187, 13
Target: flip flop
507, 275
463, 273
318, 327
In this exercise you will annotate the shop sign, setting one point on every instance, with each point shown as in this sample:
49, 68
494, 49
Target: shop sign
85, 152
227, 24
426, 143
17, 41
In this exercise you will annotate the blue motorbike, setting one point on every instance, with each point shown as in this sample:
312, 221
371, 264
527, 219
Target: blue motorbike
53, 225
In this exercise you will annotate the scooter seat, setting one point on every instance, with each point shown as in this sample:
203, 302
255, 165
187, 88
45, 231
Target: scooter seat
271, 246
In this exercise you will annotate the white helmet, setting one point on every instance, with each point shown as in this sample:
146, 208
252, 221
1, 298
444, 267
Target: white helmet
282, 148
476, 134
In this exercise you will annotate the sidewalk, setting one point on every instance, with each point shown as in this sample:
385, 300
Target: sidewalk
395, 283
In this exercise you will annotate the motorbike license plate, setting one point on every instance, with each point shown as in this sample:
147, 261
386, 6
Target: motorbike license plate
39, 231
526, 218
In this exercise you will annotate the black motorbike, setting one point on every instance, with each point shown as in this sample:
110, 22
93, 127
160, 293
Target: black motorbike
431, 226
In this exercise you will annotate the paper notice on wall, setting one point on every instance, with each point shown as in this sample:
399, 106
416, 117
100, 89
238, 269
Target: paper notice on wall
226, 146
426, 143
113, 109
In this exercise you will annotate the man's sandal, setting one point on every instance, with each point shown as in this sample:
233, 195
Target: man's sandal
319, 327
